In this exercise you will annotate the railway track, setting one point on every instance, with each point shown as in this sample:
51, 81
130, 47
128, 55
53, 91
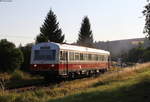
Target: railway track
27, 87
44, 84
31, 87
35, 86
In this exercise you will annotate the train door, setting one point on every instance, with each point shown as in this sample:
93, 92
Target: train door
64, 62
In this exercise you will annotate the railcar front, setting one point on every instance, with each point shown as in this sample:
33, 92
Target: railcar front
45, 59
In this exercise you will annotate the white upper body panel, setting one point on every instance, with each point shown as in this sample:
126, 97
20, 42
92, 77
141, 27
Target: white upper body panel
82, 49
59, 47
70, 48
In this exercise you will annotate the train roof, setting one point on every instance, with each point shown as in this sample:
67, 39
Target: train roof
74, 48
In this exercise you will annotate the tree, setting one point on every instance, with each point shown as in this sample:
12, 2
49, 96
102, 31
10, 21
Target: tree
50, 30
85, 36
10, 57
136, 55
146, 13
26, 50
146, 56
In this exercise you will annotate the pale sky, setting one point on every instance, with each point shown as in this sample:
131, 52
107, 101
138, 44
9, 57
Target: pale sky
20, 20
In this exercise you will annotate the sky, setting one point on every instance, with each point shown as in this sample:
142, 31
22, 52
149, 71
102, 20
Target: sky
20, 20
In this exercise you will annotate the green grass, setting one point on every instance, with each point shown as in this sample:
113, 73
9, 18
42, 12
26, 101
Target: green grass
131, 90
18, 79
129, 85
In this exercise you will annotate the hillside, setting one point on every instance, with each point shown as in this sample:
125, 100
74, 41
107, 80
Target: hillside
118, 46
125, 85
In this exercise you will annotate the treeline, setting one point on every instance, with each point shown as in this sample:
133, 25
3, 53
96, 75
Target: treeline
136, 55
12, 58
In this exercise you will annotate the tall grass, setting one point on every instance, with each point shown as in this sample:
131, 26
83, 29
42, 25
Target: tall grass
106, 85
17, 79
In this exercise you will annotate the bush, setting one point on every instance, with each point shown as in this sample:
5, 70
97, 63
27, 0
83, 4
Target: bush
17, 75
146, 56
138, 54
10, 56
26, 50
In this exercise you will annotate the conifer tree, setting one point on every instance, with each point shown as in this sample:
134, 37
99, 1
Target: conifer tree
50, 30
146, 13
85, 36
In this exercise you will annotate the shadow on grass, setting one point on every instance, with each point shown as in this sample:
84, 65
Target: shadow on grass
23, 82
139, 92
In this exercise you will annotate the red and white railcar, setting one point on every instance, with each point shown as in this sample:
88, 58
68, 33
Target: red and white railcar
63, 59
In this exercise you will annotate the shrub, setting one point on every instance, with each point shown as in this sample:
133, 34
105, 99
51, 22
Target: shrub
17, 75
10, 56
146, 56
26, 50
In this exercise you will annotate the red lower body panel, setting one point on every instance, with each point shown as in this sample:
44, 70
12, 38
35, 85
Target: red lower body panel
70, 66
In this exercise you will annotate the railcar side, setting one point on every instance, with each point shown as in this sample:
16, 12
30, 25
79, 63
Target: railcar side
82, 62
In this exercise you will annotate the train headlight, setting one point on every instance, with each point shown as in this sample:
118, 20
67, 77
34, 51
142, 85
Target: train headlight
52, 65
35, 65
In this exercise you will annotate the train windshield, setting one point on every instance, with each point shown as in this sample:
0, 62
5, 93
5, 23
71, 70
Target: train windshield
48, 55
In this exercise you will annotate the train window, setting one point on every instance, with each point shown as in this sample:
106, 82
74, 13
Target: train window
96, 57
89, 57
81, 56
102, 58
44, 54
99, 57
63, 55
106, 58
92, 57
85, 57
77, 56
71, 55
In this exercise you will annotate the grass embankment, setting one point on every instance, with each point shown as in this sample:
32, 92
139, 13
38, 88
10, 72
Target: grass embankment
18, 79
129, 85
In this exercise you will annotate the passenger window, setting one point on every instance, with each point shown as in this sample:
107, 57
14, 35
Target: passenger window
71, 56
103, 58
81, 56
85, 57
100, 58
89, 57
77, 56
96, 57
92, 57
106, 58
63, 55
